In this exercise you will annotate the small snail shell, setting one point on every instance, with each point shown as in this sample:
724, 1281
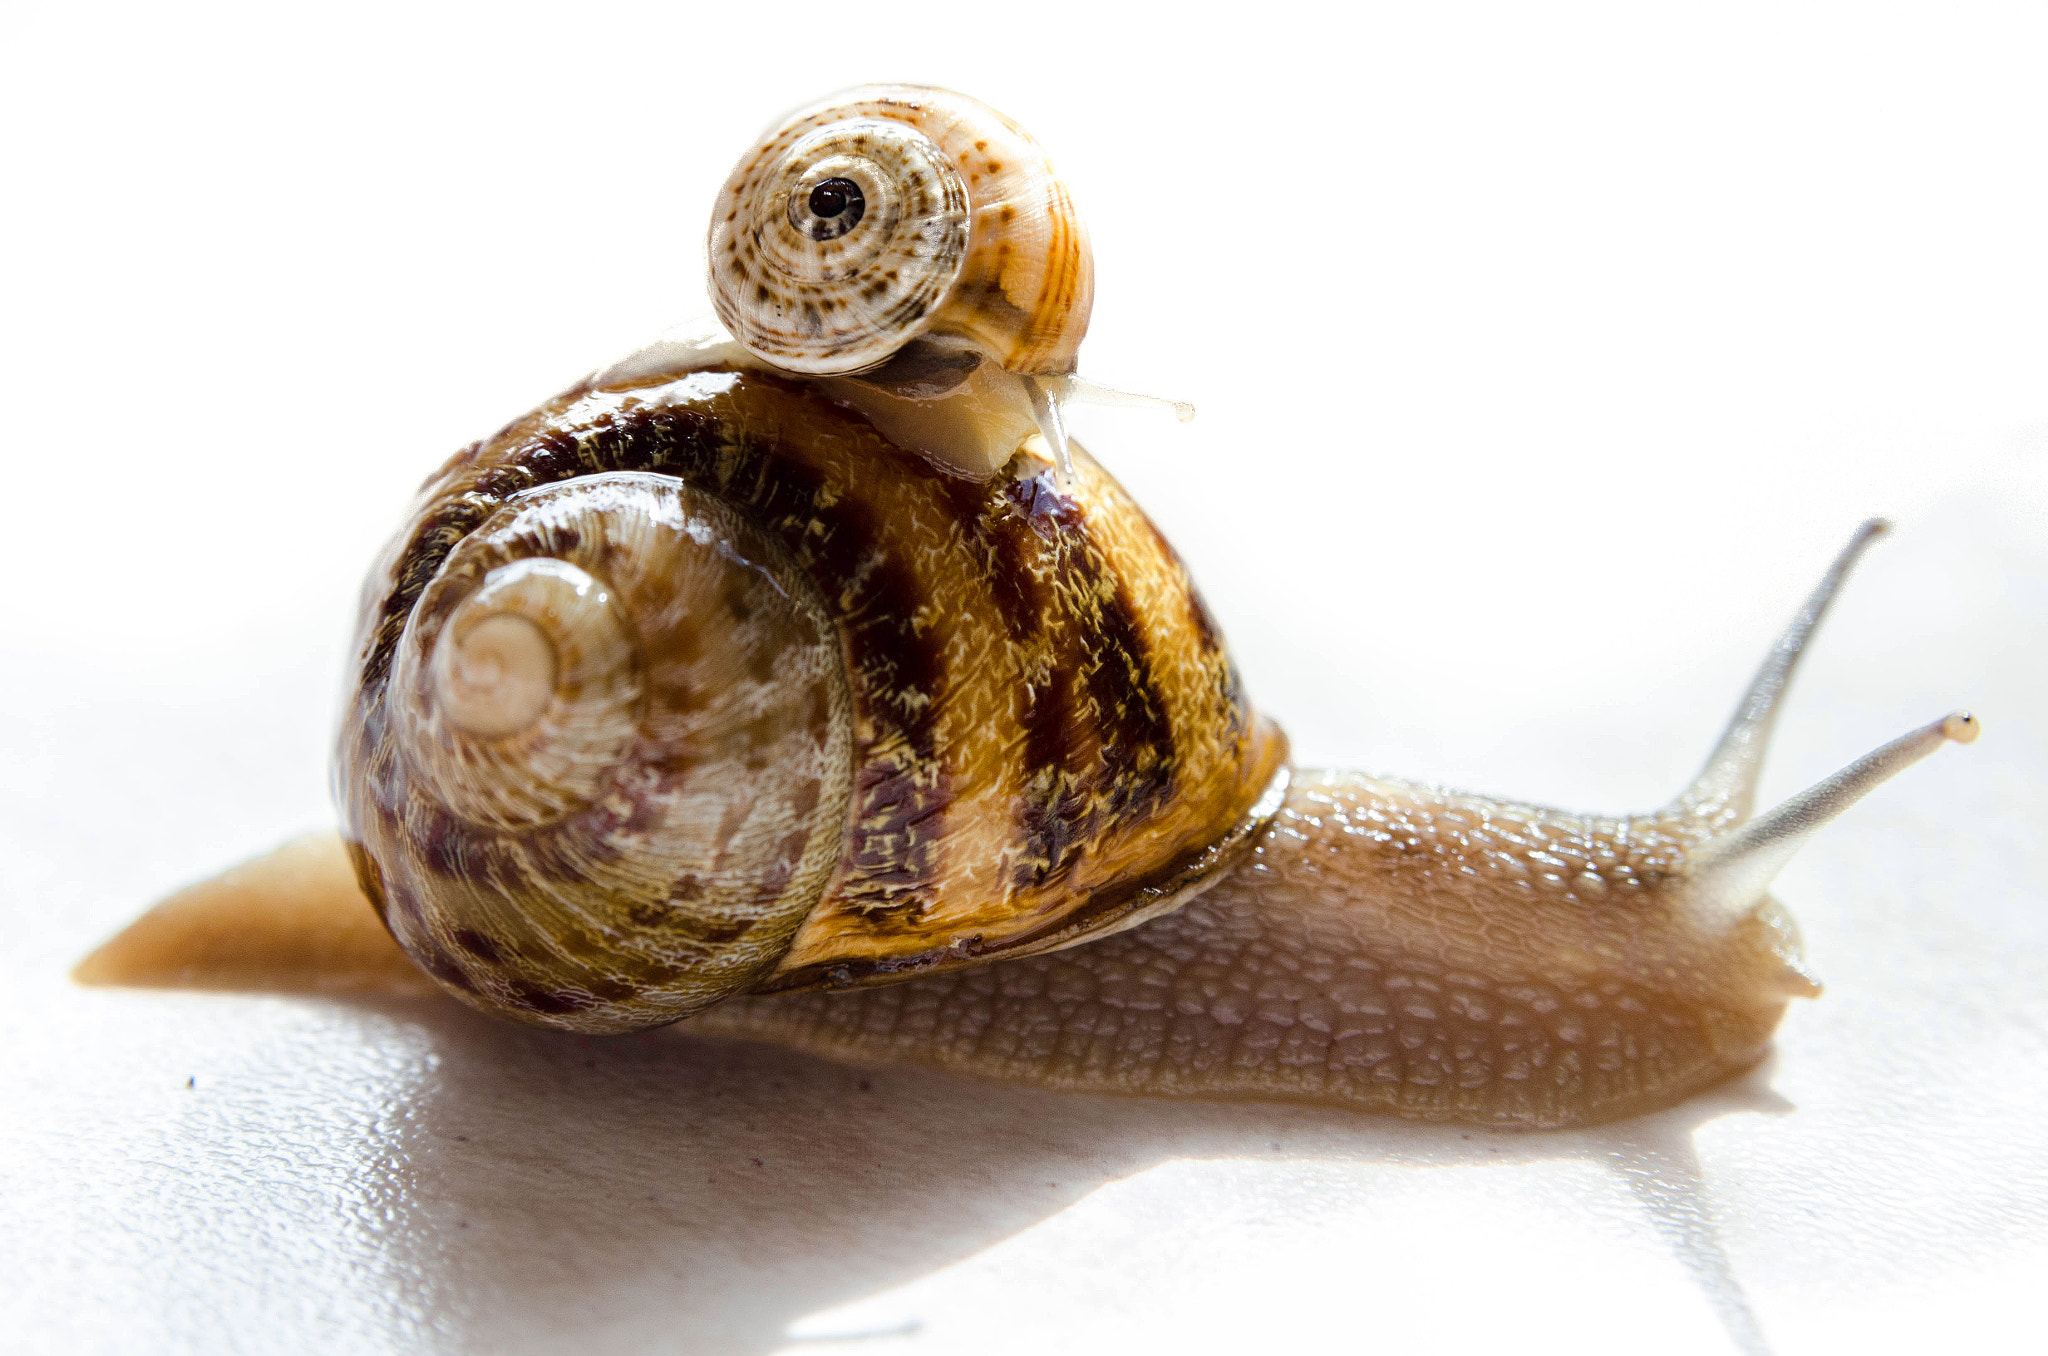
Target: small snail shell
895, 211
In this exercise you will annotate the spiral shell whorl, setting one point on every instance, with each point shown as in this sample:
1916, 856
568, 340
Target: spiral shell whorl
846, 301
500, 772
651, 839
942, 217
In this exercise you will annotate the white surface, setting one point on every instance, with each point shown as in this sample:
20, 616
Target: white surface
1543, 358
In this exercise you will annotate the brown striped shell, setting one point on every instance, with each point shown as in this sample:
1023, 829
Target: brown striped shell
892, 212
814, 710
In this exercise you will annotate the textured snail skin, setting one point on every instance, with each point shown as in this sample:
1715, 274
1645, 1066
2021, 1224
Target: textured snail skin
1386, 947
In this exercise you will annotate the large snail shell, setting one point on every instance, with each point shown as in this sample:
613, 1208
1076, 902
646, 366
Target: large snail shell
695, 684
894, 211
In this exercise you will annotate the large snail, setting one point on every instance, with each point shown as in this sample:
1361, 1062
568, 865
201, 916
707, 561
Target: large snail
780, 661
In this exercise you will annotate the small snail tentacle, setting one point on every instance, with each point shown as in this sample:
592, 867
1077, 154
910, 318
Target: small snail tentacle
1075, 391
1045, 408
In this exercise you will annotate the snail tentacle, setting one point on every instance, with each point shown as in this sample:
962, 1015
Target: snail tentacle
1728, 780
1045, 407
1731, 874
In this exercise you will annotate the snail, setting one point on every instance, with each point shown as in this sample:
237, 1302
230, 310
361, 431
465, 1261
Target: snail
798, 678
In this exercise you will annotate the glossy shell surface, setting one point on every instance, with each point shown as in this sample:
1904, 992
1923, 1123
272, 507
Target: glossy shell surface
1047, 737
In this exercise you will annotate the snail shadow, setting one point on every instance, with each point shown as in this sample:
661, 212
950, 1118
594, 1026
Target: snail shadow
670, 1192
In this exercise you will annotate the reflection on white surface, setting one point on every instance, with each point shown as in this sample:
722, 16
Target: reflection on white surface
1398, 1238
1649, 313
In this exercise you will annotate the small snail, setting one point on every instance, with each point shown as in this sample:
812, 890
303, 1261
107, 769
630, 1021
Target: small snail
763, 667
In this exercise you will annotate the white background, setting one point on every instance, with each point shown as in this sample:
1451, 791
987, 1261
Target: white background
1543, 353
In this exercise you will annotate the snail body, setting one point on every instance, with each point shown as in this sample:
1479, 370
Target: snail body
796, 677
1063, 846
1385, 947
